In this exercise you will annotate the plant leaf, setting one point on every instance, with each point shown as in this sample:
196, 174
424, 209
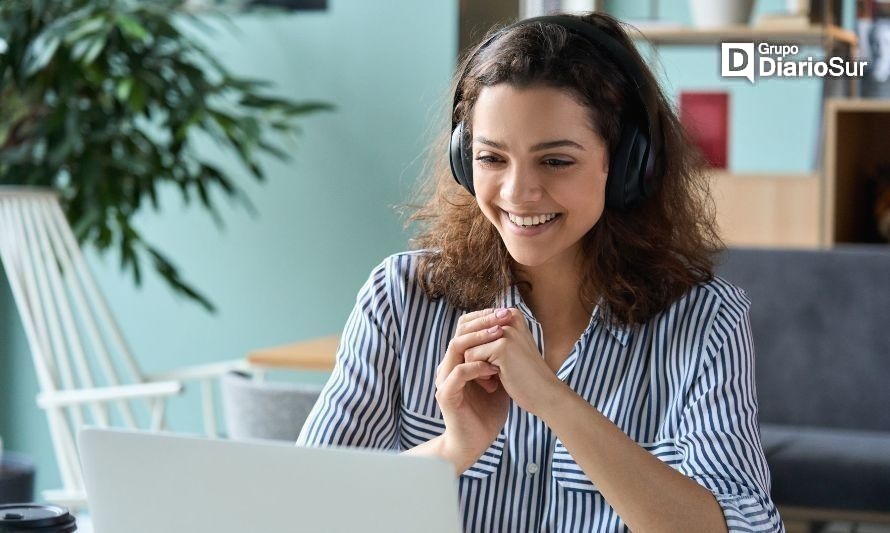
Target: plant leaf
131, 27
102, 99
39, 54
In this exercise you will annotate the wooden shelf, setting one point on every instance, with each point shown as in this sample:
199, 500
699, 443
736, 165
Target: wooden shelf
726, 174
812, 210
768, 209
813, 35
878, 105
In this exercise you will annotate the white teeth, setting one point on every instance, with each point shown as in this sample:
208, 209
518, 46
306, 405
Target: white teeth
531, 221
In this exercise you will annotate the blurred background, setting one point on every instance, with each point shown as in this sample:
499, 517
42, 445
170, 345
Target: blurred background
784, 166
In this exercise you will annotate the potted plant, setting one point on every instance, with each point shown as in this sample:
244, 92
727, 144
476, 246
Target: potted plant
101, 100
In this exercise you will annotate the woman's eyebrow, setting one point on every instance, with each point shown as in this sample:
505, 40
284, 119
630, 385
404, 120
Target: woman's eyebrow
540, 146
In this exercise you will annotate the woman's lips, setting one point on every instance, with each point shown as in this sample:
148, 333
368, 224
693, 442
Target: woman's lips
529, 231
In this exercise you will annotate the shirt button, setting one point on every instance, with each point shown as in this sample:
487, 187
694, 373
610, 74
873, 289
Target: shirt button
532, 468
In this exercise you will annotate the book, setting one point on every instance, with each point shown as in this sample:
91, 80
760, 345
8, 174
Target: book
705, 117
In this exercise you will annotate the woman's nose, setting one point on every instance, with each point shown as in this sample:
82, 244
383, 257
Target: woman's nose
520, 186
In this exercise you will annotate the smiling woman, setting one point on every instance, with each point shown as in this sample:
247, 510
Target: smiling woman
564, 89
559, 335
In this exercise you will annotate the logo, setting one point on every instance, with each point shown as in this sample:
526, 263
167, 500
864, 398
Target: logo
739, 60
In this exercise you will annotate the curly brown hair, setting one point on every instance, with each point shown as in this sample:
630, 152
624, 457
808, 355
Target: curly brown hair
638, 261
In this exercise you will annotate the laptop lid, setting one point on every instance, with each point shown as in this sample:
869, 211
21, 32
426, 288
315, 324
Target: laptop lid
148, 482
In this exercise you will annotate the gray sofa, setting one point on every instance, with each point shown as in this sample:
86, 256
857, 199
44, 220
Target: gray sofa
821, 325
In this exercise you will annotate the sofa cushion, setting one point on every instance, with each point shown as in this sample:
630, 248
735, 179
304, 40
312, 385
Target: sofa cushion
828, 468
821, 326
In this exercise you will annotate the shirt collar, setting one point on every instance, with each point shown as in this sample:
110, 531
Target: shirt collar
511, 297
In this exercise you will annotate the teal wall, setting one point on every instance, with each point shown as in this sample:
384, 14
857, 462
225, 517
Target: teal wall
324, 220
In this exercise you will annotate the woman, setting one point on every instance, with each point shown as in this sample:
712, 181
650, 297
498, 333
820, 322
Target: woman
559, 335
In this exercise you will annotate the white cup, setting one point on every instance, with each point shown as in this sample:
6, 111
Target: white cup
711, 14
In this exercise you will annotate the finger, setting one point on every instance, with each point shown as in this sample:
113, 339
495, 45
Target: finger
498, 316
489, 383
460, 344
463, 323
463, 374
454, 354
476, 353
486, 351
483, 329
467, 317
482, 353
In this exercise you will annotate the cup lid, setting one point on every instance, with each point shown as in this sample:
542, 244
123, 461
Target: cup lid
33, 517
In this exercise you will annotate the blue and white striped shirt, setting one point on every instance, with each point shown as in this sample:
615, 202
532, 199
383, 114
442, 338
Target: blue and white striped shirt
681, 385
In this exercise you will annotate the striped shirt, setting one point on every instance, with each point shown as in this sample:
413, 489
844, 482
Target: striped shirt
681, 385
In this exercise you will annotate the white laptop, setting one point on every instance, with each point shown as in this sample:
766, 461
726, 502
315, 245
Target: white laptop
146, 482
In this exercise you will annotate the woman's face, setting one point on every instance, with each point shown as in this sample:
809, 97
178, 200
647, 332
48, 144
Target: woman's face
536, 156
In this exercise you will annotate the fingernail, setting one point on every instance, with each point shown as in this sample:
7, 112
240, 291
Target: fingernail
493, 329
500, 313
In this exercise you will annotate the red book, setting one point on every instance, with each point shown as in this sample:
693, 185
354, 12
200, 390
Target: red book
705, 116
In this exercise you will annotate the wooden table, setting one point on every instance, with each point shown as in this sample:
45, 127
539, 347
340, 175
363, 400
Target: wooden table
314, 354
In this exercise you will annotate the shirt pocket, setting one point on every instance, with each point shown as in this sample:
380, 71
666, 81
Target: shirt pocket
571, 477
665, 450
418, 428
567, 473
490, 461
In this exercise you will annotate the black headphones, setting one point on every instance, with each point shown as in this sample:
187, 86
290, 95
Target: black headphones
632, 169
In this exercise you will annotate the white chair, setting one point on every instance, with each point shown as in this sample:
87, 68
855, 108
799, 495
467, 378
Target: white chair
76, 345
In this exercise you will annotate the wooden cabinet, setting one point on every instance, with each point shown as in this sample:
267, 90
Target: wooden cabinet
768, 209
813, 210
857, 141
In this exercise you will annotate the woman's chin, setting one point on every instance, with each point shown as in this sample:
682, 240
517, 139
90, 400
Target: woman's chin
528, 258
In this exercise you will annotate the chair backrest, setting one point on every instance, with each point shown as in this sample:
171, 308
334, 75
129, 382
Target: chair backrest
265, 410
821, 326
74, 341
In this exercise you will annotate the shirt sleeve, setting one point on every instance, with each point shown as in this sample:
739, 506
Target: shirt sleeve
358, 405
719, 435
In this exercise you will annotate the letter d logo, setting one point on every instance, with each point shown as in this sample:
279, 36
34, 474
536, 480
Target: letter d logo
737, 60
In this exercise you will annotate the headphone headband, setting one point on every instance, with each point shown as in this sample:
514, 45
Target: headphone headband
593, 35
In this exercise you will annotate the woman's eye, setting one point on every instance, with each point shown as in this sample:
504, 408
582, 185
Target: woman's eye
557, 163
486, 160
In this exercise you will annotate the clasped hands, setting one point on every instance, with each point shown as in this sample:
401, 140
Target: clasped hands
491, 359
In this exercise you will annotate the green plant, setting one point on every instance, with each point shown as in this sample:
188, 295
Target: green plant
101, 99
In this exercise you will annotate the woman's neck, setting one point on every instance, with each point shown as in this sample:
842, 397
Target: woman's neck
554, 298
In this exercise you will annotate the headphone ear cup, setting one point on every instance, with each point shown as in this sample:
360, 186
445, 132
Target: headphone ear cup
624, 187
460, 159
618, 168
